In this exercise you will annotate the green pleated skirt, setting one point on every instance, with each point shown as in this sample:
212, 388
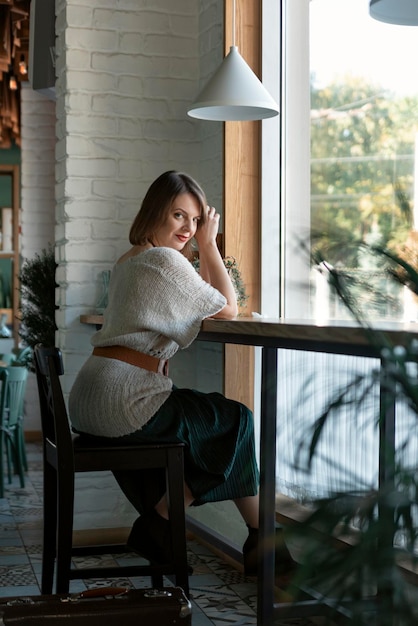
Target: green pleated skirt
219, 455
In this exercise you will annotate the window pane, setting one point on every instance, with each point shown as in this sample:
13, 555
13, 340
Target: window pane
363, 127
349, 120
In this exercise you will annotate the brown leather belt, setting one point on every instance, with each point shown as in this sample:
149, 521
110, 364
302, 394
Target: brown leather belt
133, 357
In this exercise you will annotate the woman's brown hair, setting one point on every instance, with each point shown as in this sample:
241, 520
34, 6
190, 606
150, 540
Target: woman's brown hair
156, 206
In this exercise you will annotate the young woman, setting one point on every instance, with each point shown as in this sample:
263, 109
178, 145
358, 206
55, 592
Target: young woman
157, 302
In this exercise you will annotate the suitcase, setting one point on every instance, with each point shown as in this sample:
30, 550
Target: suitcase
108, 606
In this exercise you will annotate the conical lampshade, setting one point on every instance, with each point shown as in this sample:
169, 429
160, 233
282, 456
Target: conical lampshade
234, 93
404, 12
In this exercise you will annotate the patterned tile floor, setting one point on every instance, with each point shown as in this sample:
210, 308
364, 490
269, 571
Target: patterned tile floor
220, 594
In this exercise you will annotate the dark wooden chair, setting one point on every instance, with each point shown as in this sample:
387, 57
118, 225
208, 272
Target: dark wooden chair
64, 454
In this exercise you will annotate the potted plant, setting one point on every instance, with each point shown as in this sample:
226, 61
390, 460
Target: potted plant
37, 289
359, 539
235, 275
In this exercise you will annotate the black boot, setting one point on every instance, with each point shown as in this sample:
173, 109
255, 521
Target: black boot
150, 537
250, 552
284, 563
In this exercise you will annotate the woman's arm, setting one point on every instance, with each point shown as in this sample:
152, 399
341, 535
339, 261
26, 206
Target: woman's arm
212, 268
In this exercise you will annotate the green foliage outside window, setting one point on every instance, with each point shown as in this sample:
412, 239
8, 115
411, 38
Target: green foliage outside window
362, 168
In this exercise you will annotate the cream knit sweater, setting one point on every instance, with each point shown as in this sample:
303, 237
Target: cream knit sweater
157, 302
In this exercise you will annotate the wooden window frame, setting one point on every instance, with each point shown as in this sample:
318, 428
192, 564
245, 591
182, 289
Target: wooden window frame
242, 198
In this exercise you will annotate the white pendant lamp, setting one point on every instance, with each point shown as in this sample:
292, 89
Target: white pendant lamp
234, 93
404, 12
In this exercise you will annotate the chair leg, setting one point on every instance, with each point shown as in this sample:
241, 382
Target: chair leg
64, 532
2, 451
175, 496
50, 528
23, 448
22, 444
157, 581
9, 456
19, 466
13, 454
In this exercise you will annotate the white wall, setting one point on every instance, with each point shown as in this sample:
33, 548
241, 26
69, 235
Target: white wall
37, 172
126, 75
37, 199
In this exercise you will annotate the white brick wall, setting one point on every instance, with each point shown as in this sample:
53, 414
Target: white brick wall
37, 198
37, 172
126, 75
125, 80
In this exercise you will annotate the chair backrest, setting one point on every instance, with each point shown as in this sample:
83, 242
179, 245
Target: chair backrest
23, 356
16, 387
7, 358
56, 429
3, 394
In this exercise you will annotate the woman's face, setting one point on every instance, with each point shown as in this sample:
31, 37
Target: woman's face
181, 223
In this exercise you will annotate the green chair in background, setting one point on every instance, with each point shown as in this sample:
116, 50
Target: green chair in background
12, 424
3, 447
23, 356
19, 357
7, 358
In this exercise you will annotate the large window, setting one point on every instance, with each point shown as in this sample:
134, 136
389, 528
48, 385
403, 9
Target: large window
349, 137
344, 153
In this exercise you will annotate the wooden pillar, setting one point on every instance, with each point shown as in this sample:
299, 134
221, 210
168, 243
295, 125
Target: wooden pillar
242, 186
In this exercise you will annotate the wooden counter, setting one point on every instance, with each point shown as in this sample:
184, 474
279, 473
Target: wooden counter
263, 331
96, 319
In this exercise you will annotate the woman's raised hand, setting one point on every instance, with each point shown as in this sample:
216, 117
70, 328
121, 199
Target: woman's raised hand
208, 230
212, 268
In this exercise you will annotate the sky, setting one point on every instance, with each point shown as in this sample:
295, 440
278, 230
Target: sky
345, 39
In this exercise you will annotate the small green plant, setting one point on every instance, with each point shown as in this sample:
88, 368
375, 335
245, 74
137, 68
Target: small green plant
37, 289
235, 275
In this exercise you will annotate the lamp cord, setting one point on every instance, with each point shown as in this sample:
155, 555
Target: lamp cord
233, 22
